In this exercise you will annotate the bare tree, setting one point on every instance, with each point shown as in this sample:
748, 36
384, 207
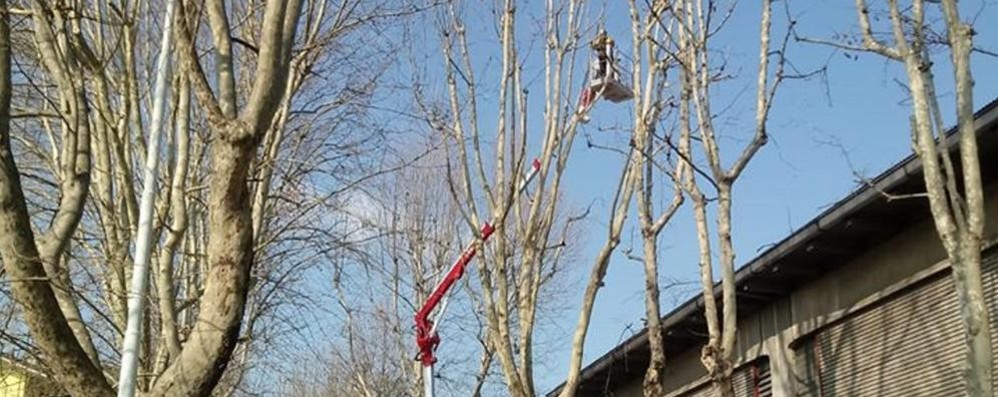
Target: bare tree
29, 262
526, 250
306, 139
203, 358
650, 66
66, 53
404, 232
696, 23
618, 210
956, 199
419, 228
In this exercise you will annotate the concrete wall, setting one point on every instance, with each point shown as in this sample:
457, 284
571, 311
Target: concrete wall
12, 384
908, 257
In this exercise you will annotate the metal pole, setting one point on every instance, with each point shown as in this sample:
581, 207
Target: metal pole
428, 381
143, 239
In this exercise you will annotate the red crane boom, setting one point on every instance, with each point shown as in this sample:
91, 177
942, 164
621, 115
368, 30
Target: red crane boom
427, 338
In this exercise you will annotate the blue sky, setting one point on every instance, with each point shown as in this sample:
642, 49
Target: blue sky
821, 132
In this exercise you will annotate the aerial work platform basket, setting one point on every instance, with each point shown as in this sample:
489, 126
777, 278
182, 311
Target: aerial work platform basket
605, 80
610, 88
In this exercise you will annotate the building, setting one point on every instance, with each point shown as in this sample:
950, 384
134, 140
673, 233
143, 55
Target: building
20, 379
857, 302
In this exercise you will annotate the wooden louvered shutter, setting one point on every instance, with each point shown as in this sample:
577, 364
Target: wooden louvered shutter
989, 270
750, 380
806, 369
908, 345
742, 381
753, 380
762, 379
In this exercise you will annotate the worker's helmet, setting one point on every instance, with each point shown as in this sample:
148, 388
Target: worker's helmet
601, 40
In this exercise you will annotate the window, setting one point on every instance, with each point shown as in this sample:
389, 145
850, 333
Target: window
807, 369
908, 344
749, 380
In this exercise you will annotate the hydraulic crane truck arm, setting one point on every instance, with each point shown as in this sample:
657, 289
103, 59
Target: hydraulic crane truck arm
427, 338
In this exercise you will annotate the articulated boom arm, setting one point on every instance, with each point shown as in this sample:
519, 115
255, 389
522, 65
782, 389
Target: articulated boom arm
426, 338
426, 334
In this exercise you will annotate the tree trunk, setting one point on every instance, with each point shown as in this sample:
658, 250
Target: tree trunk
654, 381
622, 203
178, 225
723, 386
957, 215
207, 352
75, 172
967, 265
230, 256
23, 264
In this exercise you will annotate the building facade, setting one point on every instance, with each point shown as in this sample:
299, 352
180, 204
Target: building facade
858, 302
18, 379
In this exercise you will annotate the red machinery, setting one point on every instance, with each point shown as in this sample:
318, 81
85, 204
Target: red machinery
427, 338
